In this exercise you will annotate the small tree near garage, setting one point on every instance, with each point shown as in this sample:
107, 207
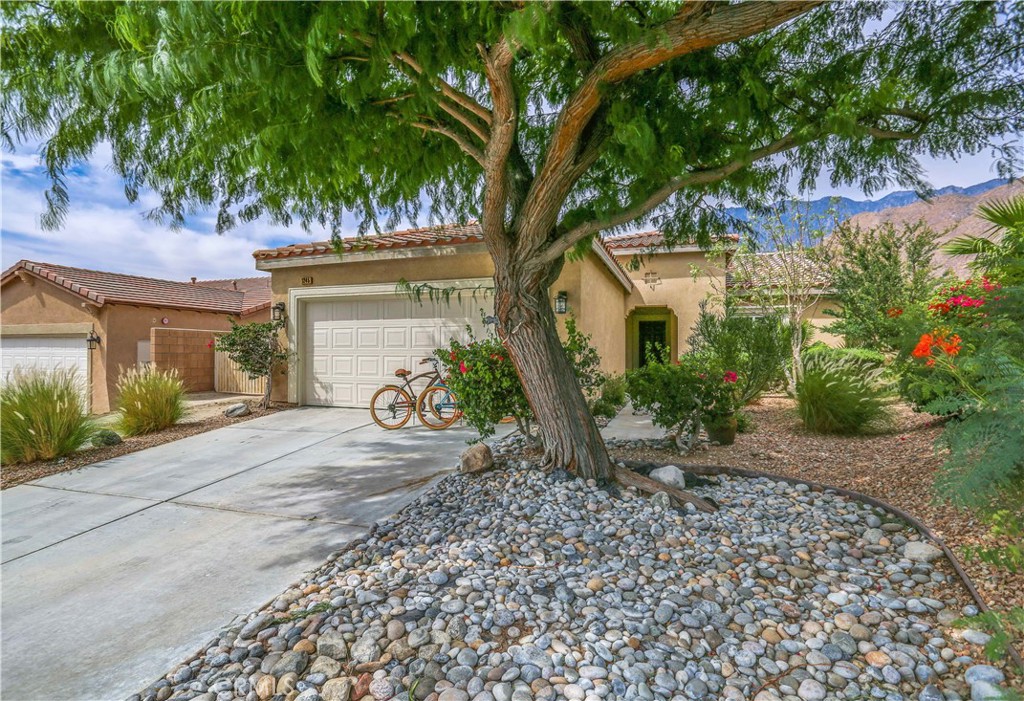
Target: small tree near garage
256, 349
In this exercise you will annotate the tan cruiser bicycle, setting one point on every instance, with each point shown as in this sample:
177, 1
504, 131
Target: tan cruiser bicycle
393, 405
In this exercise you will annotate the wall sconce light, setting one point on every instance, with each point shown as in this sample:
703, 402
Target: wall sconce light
93, 341
277, 312
562, 302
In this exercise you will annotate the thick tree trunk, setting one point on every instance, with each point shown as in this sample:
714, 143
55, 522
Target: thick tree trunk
527, 326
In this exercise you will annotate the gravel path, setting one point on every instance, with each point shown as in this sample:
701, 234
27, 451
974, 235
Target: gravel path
517, 585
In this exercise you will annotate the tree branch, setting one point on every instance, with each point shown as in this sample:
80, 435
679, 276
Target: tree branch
658, 197
498, 69
468, 148
695, 27
449, 91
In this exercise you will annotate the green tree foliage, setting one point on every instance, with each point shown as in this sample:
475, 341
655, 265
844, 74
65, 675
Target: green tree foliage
876, 276
756, 348
549, 122
256, 349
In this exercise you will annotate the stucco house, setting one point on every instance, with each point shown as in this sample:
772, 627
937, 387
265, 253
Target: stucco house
97, 322
349, 326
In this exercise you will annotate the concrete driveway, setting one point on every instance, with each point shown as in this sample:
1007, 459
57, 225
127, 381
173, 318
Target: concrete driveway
115, 572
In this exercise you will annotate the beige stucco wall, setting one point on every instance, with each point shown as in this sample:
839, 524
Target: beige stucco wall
679, 289
38, 304
589, 299
119, 326
820, 320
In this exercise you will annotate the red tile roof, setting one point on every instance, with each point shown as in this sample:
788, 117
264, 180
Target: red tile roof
442, 234
101, 288
768, 269
447, 234
643, 239
255, 290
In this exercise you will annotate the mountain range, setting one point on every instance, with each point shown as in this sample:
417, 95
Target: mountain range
846, 207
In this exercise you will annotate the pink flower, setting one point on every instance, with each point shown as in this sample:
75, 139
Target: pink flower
462, 367
729, 376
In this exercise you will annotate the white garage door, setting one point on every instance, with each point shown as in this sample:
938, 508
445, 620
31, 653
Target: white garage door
46, 353
353, 346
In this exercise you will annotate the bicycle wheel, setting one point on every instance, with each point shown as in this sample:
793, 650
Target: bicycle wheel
391, 407
437, 408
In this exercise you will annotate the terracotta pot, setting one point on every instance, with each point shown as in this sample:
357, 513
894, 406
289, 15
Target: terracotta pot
722, 430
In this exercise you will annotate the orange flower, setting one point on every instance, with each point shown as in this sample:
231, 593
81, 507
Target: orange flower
950, 346
923, 349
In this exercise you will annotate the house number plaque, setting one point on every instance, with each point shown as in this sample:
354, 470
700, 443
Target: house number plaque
307, 280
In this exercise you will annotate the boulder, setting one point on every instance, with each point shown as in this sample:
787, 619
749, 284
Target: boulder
236, 410
920, 551
670, 475
477, 458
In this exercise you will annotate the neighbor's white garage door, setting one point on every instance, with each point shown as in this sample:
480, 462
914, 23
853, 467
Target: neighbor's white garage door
46, 353
353, 346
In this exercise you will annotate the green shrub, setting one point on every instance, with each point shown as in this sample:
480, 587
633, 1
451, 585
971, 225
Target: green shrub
105, 437
613, 390
843, 394
866, 355
755, 348
149, 400
744, 422
484, 379
42, 416
602, 407
682, 396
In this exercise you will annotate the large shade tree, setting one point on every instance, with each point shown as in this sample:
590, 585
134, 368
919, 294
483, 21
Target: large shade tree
549, 121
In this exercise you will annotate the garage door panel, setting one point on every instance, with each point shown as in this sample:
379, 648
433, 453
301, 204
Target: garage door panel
396, 337
343, 338
46, 353
357, 344
341, 366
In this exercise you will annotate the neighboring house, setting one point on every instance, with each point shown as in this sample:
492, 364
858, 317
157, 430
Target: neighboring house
349, 326
752, 277
97, 322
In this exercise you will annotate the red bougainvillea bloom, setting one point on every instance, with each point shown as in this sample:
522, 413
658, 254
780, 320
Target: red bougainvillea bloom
462, 367
210, 344
729, 377
453, 356
894, 312
940, 307
924, 346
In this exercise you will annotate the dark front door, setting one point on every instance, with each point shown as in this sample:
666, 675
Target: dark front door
652, 337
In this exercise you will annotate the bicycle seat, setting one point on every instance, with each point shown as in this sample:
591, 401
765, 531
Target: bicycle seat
402, 372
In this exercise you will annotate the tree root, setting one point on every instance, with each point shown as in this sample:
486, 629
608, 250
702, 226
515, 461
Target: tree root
629, 478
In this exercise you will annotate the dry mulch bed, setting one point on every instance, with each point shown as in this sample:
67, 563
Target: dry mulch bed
12, 475
897, 467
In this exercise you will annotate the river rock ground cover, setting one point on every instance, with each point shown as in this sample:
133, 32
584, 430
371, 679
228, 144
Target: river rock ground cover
517, 585
898, 467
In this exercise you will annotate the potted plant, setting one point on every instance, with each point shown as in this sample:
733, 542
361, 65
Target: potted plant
720, 405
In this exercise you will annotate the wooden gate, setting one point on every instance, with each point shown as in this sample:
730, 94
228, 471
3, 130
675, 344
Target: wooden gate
228, 377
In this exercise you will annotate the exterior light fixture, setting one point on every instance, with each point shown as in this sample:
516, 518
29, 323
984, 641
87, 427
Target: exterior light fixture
277, 312
562, 302
93, 341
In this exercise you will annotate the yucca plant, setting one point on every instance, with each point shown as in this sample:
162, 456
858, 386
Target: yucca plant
42, 416
843, 395
149, 400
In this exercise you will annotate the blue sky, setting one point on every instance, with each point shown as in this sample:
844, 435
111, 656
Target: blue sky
104, 232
